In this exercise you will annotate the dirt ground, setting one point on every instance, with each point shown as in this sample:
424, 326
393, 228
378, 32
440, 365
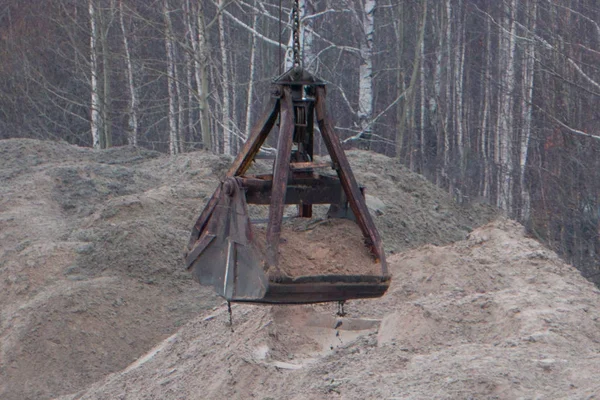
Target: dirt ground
495, 316
90, 259
91, 273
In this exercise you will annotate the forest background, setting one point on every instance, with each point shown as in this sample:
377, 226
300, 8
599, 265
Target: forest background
494, 100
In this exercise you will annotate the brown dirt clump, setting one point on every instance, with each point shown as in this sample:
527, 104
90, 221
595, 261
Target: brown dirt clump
321, 247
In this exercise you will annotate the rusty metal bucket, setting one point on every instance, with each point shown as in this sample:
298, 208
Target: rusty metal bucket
223, 250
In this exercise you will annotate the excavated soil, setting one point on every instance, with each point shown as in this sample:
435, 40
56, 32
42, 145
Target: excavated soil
496, 316
321, 247
91, 273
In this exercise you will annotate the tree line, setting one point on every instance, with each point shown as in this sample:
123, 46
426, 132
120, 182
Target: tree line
493, 100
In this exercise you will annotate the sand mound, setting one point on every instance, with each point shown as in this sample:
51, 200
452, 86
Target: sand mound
494, 316
90, 260
91, 245
321, 247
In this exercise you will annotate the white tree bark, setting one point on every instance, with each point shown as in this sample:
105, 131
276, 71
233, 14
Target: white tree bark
407, 120
249, 99
434, 112
189, 79
106, 18
133, 101
506, 103
448, 88
485, 133
199, 41
96, 123
173, 148
365, 85
423, 103
180, 105
458, 84
400, 114
526, 107
226, 117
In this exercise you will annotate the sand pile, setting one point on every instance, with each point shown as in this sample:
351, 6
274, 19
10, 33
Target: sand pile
321, 247
496, 316
90, 260
91, 249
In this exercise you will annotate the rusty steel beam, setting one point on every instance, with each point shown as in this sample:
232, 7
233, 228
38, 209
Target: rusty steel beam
258, 136
240, 165
280, 177
204, 217
301, 192
355, 198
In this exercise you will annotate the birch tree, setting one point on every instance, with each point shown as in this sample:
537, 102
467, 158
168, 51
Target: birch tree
172, 113
196, 25
527, 67
406, 123
96, 122
506, 106
132, 123
365, 73
106, 18
225, 106
252, 72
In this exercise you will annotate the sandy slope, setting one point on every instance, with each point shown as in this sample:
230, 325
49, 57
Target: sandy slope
90, 252
494, 316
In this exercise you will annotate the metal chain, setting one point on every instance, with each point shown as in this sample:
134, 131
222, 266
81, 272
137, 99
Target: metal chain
296, 28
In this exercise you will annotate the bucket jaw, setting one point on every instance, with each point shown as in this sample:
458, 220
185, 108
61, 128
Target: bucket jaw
243, 262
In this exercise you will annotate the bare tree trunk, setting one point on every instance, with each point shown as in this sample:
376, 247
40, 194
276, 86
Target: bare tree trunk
434, 108
485, 134
458, 86
199, 40
365, 85
423, 104
448, 108
249, 100
189, 79
506, 117
226, 111
173, 148
526, 107
203, 85
407, 120
180, 105
459, 58
133, 102
399, 30
106, 138
96, 121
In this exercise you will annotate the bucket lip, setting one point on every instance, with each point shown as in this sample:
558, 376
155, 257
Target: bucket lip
307, 292
361, 279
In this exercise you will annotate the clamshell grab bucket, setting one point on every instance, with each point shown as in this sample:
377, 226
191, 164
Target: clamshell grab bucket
248, 261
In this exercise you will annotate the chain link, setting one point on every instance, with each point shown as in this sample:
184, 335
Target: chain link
296, 34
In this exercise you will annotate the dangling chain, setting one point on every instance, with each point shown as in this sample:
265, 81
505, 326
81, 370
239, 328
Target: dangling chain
296, 28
